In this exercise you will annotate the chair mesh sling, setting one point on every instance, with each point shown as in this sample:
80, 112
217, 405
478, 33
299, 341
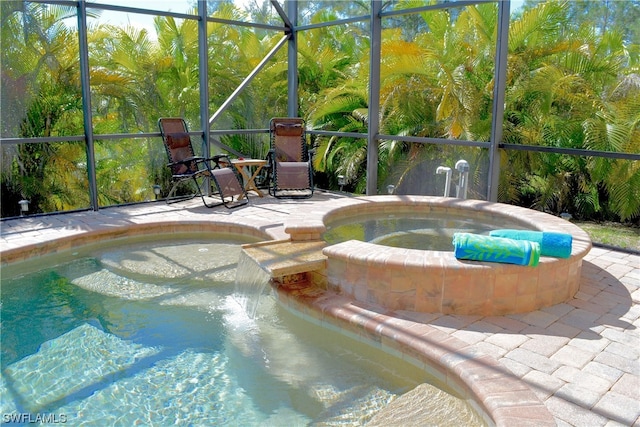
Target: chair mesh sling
289, 159
199, 171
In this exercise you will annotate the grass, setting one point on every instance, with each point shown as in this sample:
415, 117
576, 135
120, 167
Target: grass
612, 234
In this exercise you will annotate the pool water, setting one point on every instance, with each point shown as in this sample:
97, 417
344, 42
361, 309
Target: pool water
153, 334
410, 231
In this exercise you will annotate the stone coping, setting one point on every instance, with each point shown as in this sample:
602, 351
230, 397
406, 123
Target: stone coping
94, 235
492, 390
315, 221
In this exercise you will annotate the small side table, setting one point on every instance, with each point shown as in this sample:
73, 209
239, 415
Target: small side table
249, 180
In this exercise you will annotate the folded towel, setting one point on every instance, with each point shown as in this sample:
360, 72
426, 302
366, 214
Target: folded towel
495, 249
551, 243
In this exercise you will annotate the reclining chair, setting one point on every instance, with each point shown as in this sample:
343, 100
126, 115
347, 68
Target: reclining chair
289, 159
200, 171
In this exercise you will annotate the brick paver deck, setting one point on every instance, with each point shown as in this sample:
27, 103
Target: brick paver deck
581, 358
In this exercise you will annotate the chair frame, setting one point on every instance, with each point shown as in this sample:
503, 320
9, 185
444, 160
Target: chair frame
272, 162
201, 171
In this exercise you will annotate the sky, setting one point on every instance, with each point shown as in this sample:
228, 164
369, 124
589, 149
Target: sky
139, 20
179, 6
516, 4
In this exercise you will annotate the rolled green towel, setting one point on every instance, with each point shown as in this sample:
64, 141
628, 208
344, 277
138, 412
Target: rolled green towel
551, 243
495, 249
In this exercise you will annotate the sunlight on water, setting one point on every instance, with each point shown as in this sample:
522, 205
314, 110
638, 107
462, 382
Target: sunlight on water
88, 355
108, 283
107, 340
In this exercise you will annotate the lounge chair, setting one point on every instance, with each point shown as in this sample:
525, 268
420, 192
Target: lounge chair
289, 159
199, 171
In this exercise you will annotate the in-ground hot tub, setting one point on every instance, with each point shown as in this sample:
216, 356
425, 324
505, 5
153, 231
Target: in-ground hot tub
434, 280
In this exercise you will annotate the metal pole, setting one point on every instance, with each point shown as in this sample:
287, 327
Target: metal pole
292, 67
374, 97
203, 64
500, 78
248, 79
86, 104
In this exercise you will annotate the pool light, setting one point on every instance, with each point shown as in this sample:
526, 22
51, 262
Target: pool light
24, 207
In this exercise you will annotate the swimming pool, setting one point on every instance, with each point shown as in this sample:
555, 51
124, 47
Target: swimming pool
151, 333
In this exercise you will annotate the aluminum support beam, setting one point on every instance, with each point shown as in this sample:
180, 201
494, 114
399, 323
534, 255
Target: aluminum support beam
203, 64
437, 6
374, 97
86, 104
285, 19
500, 79
203, 69
247, 80
292, 60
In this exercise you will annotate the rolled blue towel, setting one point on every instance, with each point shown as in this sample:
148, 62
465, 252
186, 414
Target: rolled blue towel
551, 243
495, 249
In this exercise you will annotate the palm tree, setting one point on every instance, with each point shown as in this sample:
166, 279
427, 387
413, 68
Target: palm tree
437, 85
125, 69
40, 69
616, 127
557, 79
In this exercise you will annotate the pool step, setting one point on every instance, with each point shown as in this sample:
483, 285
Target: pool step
92, 359
113, 284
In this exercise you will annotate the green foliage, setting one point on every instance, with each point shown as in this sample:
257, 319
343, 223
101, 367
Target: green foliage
566, 91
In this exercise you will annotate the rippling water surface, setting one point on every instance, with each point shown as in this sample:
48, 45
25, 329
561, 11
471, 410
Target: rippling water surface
153, 334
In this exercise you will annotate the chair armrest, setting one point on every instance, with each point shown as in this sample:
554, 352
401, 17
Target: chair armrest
217, 157
220, 161
196, 159
270, 156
